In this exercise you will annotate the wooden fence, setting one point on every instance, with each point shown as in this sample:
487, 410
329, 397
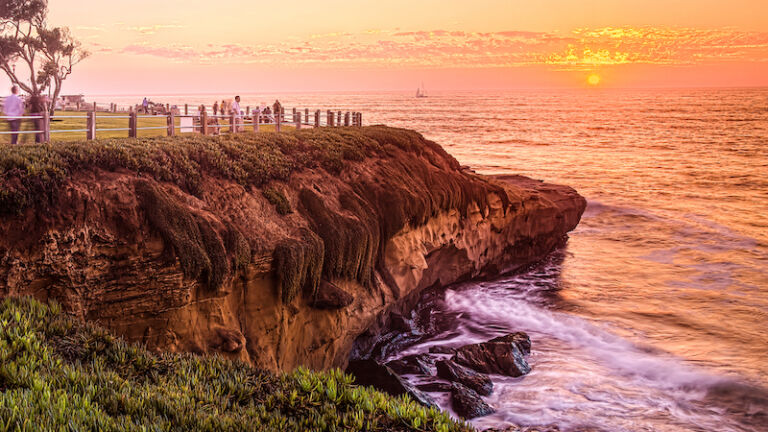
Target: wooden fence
192, 123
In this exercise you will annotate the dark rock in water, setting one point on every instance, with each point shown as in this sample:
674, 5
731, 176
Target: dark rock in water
451, 371
397, 322
521, 339
415, 364
435, 387
502, 355
467, 403
441, 349
372, 373
329, 296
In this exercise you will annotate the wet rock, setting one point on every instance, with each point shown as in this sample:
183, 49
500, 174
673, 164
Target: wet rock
521, 339
442, 349
435, 387
372, 373
502, 355
451, 371
330, 296
467, 403
414, 364
399, 323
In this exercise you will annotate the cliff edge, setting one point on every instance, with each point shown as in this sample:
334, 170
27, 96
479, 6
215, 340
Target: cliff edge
277, 249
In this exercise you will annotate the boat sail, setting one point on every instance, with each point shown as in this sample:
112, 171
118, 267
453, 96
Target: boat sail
420, 92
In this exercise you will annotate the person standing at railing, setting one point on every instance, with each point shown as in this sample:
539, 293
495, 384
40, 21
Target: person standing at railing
238, 114
145, 105
36, 108
277, 109
13, 107
216, 108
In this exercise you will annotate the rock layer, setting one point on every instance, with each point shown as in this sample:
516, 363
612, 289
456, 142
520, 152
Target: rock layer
216, 268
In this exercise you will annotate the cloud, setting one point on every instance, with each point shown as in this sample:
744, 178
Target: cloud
154, 28
654, 45
582, 48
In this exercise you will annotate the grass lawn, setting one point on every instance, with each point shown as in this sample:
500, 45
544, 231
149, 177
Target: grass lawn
103, 121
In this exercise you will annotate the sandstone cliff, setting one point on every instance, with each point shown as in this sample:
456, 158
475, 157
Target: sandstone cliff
279, 250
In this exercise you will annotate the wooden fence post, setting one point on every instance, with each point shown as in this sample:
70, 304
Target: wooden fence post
277, 122
167, 108
232, 122
94, 106
297, 118
329, 119
256, 119
293, 115
338, 121
317, 118
346, 118
46, 126
204, 123
306, 115
186, 109
133, 121
360, 119
91, 126
171, 124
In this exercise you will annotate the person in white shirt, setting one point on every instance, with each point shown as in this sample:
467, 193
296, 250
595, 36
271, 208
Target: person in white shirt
235, 107
13, 107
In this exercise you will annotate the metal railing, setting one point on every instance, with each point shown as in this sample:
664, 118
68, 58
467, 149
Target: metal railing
198, 123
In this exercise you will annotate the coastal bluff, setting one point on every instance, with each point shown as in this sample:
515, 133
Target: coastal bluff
280, 250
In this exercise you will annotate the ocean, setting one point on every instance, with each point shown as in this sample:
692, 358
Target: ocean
654, 316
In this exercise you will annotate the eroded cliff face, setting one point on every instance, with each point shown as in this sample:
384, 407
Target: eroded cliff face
218, 269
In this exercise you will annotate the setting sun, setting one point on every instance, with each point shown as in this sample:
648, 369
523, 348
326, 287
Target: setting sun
593, 79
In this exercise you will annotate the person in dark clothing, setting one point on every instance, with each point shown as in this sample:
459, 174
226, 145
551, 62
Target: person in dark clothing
277, 109
36, 108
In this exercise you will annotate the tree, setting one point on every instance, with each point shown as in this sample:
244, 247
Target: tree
46, 55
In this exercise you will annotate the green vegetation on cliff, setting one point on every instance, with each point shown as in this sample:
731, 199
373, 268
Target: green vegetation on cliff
31, 174
59, 374
392, 178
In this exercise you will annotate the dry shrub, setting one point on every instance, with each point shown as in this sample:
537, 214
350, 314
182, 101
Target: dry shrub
298, 263
347, 241
190, 237
277, 198
241, 250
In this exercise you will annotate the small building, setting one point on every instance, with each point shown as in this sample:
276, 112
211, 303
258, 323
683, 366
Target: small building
71, 102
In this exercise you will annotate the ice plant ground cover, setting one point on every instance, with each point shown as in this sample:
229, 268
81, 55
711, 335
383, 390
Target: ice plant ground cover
59, 374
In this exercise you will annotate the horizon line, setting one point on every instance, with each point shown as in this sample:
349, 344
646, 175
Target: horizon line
508, 89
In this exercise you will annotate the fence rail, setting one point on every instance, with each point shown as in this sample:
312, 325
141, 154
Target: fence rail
191, 123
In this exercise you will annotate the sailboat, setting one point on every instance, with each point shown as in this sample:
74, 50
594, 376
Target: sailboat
420, 92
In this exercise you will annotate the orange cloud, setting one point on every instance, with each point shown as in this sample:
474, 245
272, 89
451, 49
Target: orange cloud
576, 50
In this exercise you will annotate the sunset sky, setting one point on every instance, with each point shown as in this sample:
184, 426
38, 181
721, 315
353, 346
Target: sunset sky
175, 46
